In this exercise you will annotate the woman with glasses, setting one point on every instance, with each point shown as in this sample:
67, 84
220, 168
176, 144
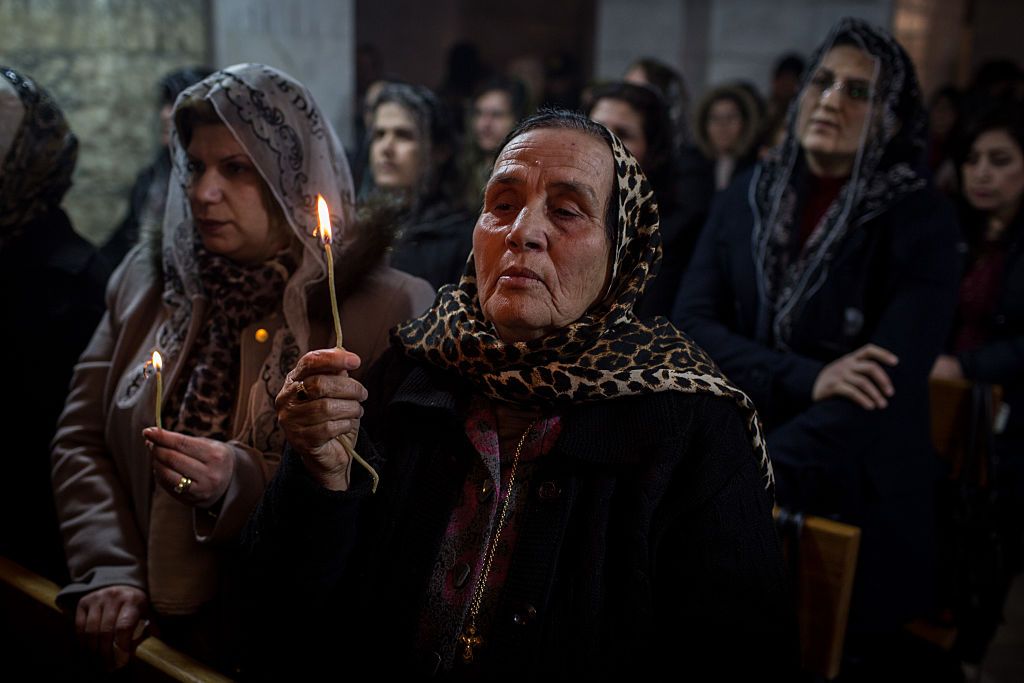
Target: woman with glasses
824, 286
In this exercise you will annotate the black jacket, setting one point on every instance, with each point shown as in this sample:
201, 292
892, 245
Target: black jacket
647, 544
51, 299
1001, 359
434, 244
893, 284
683, 203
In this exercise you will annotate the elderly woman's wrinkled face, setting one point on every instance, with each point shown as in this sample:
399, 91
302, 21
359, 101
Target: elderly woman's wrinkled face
540, 245
396, 150
626, 122
227, 196
834, 109
994, 174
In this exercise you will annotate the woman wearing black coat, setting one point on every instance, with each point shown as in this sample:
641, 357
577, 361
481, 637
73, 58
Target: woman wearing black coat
565, 490
987, 342
823, 286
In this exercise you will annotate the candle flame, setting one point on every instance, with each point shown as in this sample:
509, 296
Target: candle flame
158, 361
325, 219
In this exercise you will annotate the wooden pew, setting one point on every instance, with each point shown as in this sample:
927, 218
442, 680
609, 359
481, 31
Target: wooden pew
33, 628
823, 558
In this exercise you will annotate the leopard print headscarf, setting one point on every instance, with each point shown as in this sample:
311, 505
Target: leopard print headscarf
607, 353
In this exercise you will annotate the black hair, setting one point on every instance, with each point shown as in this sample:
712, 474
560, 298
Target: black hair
996, 114
514, 90
790, 63
653, 109
171, 85
571, 120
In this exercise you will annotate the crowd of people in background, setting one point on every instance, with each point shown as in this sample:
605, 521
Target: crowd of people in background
831, 245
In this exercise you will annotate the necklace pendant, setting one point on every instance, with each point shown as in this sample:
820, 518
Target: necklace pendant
469, 640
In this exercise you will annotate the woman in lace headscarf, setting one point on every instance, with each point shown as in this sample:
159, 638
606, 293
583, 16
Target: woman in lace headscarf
823, 284
231, 298
566, 490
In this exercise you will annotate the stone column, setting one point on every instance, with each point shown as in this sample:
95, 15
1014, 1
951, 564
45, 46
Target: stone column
101, 60
312, 40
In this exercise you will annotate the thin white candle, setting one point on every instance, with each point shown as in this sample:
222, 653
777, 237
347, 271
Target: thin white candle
324, 218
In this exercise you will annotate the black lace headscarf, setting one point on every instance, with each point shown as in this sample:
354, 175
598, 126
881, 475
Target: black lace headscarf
887, 167
36, 171
608, 352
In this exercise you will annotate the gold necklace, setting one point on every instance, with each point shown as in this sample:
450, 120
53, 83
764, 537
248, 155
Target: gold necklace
470, 639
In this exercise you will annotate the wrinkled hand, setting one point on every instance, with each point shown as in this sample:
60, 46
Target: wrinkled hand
947, 367
859, 377
318, 403
208, 463
112, 621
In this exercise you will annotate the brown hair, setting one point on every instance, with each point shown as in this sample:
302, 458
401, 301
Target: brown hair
196, 111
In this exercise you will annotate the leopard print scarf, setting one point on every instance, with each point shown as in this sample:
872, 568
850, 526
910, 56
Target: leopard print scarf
607, 353
239, 295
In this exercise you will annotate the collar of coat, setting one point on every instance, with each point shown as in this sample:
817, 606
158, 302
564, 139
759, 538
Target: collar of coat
619, 431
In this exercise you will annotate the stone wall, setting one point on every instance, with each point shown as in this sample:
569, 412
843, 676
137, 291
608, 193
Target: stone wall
101, 59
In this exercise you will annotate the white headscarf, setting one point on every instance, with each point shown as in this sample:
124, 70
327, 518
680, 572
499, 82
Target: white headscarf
298, 154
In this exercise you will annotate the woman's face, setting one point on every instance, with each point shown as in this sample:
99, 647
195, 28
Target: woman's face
942, 118
396, 150
540, 245
492, 119
636, 75
627, 123
227, 193
834, 110
994, 174
724, 126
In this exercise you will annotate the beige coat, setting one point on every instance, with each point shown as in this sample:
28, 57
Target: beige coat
102, 473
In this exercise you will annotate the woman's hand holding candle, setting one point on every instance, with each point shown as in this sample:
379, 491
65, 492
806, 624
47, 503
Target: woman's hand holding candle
324, 219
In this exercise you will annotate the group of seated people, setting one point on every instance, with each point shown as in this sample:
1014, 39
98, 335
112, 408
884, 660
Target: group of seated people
578, 457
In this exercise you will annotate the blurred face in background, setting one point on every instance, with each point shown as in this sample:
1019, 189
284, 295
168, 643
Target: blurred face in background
994, 174
397, 151
493, 118
941, 118
636, 75
834, 110
626, 122
724, 126
166, 122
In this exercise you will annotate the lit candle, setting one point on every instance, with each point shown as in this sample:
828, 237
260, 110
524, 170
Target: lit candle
324, 217
158, 365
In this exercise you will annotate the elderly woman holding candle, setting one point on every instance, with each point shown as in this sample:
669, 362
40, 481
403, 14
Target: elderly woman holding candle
232, 298
564, 489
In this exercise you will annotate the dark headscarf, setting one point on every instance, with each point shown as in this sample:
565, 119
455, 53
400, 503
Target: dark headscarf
887, 167
608, 352
37, 170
